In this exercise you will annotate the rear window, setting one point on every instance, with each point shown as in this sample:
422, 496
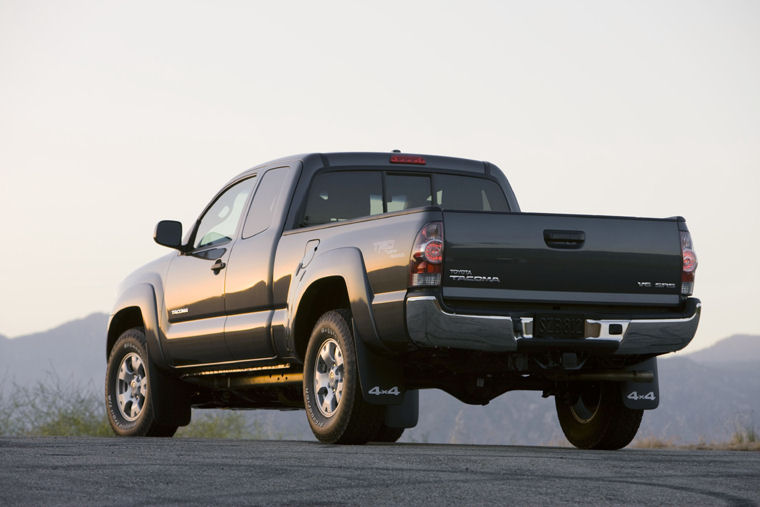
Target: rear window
345, 195
339, 196
465, 193
404, 192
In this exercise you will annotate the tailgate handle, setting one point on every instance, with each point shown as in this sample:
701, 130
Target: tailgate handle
564, 239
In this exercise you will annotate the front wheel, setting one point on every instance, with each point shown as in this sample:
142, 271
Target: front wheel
140, 400
335, 408
596, 418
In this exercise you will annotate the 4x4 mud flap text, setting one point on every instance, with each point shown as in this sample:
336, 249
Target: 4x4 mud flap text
642, 395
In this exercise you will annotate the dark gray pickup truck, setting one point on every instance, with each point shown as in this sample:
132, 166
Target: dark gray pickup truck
344, 283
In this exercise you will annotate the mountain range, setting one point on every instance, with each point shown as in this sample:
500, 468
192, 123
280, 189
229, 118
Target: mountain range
705, 395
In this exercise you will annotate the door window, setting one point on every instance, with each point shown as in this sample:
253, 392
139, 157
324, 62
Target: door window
219, 223
267, 196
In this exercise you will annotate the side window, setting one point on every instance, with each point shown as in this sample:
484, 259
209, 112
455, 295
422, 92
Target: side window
468, 194
404, 192
343, 195
268, 194
220, 221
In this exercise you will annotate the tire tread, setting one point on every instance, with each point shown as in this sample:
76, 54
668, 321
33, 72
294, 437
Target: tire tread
612, 428
357, 421
163, 412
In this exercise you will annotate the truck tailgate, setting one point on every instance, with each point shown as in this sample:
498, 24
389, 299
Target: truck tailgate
550, 258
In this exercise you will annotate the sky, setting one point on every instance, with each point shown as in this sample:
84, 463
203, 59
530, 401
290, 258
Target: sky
115, 115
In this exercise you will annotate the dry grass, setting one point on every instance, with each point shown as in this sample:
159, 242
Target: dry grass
63, 407
726, 446
656, 443
653, 443
743, 439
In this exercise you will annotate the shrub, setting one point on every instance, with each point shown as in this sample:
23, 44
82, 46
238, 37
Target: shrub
744, 433
220, 424
62, 407
52, 408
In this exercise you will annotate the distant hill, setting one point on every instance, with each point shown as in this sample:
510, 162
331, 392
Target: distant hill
737, 348
74, 350
704, 395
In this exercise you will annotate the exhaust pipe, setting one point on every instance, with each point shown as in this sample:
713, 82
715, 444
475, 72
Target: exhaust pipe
607, 376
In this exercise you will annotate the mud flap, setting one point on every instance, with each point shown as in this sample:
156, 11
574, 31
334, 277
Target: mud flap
642, 395
171, 400
381, 378
406, 414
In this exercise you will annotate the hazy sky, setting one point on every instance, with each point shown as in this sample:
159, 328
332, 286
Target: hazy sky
114, 115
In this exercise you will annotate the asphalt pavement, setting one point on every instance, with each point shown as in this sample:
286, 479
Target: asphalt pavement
121, 471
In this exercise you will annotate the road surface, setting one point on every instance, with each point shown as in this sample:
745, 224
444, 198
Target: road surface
123, 471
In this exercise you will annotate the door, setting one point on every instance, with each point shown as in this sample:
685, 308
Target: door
248, 298
194, 287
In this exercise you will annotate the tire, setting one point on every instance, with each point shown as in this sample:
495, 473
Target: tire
140, 400
387, 434
335, 408
597, 418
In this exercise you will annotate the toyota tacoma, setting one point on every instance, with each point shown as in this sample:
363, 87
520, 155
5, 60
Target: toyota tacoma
344, 283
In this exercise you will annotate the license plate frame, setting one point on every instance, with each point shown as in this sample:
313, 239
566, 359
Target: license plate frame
570, 326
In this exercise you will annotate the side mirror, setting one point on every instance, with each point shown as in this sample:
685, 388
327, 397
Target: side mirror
169, 233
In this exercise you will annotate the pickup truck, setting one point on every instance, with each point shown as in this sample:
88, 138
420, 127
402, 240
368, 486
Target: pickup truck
344, 283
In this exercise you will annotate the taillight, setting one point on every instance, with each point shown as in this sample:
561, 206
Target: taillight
689, 264
426, 263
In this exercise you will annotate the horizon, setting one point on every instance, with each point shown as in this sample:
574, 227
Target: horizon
115, 116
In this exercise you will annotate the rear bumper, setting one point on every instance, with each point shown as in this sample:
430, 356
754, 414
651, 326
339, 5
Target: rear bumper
431, 326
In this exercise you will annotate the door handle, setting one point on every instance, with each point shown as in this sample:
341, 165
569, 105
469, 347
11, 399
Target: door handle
564, 239
218, 266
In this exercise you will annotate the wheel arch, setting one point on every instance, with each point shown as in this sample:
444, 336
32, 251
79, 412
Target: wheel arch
136, 307
325, 294
339, 277
124, 319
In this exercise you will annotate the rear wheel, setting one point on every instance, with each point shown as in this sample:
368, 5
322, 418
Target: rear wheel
596, 418
140, 400
335, 408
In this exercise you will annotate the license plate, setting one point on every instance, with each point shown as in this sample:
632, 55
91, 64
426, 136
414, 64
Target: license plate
559, 326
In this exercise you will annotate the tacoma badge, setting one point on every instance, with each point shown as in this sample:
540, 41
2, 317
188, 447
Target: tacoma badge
465, 275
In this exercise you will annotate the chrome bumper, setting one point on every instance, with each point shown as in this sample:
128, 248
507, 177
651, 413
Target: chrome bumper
430, 326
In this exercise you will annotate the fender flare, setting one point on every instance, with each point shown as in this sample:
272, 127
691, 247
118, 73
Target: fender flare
143, 297
378, 373
346, 263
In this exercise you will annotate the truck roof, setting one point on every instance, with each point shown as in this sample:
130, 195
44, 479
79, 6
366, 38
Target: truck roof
395, 161
406, 161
